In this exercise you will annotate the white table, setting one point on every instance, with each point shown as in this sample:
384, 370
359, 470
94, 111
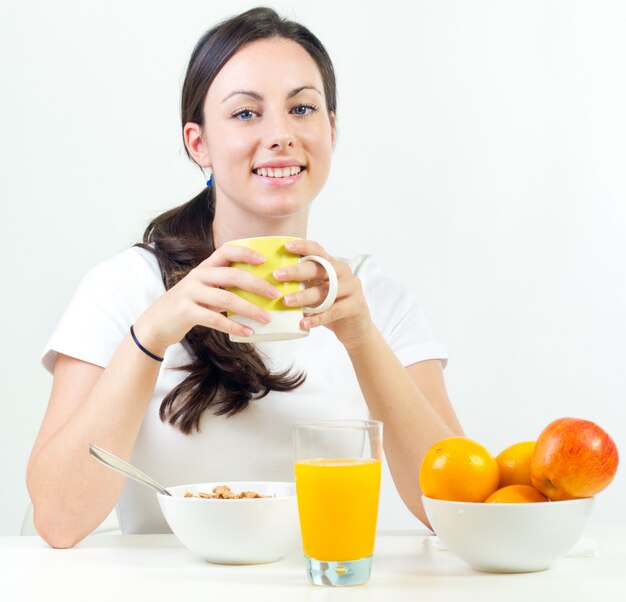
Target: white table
142, 568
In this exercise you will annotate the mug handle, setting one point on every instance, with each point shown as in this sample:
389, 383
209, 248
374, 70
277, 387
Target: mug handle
333, 285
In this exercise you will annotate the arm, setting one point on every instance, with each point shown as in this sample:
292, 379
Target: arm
71, 492
414, 407
411, 402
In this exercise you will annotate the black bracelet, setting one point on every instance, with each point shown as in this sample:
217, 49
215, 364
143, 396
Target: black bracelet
148, 353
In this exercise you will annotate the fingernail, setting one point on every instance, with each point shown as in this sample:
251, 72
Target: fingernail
289, 299
306, 324
280, 273
258, 258
247, 332
265, 317
275, 293
292, 244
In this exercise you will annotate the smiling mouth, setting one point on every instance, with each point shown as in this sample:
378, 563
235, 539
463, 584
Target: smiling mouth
279, 172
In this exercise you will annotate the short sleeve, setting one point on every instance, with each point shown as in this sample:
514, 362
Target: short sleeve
108, 300
397, 314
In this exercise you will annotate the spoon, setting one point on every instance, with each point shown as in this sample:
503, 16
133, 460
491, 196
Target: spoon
112, 461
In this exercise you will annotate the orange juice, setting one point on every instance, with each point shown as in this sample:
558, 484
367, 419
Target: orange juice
338, 505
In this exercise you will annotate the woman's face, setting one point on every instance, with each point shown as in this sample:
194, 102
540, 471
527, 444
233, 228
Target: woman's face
267, 133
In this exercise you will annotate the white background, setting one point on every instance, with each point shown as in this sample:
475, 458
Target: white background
481, 156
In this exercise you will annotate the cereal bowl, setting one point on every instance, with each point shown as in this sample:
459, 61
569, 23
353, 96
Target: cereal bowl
508, 538
235, 531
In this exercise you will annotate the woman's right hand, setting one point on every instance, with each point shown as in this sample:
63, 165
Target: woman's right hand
200, 298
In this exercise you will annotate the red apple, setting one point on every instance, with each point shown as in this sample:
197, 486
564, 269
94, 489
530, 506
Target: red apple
573, 458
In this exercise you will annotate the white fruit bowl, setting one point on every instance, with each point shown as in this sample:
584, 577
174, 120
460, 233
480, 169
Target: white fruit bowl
509, 538
235, 531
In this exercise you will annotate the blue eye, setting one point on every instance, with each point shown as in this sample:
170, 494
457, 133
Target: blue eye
304, 109
244, 114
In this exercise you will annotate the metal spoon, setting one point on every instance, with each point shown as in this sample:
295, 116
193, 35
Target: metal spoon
112, 461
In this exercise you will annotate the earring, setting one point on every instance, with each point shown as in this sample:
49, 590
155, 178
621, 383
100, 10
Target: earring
208, 174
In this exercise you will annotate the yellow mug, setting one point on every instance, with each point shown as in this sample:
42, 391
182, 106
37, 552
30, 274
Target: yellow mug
285, 323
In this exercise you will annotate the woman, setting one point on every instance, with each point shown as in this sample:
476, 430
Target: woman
258, 111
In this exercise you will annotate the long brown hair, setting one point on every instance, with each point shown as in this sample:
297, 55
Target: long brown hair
224, 376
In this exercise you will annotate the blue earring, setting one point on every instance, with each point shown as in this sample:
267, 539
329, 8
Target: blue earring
209, 181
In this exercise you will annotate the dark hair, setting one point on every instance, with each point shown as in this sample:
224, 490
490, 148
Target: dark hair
223, 375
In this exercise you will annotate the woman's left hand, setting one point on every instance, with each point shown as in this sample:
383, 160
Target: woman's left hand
349, 316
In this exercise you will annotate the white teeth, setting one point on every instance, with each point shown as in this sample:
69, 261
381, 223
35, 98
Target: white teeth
277, 172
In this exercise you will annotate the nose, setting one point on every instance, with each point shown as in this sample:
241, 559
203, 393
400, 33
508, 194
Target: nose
279, 134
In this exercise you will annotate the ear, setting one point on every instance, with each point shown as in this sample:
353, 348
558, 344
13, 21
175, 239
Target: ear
192, 135
333, 129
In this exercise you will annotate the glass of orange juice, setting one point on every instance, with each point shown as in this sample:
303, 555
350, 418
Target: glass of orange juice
337, 466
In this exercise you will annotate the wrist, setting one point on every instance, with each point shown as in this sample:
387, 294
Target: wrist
147, 340
147, 352
362, 343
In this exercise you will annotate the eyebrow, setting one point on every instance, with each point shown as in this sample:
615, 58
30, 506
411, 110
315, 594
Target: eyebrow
258, 96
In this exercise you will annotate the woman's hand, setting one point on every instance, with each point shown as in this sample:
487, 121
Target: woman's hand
199, 299
349, 316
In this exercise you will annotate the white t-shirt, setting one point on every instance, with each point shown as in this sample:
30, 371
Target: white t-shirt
255, 444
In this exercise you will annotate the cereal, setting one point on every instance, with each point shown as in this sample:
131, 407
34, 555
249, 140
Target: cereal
224, 492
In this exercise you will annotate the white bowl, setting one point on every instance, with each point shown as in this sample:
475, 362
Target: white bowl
238, 531
508, 538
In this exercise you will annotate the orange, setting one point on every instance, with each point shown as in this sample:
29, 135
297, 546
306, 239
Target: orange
516, 494
514, 464
458, 469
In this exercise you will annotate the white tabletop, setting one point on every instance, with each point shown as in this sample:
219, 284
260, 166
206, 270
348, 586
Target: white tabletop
406, 567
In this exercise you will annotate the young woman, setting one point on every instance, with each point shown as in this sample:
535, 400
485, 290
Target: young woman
258, 111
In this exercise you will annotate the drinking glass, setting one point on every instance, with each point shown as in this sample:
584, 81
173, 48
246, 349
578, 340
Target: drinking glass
337, 466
